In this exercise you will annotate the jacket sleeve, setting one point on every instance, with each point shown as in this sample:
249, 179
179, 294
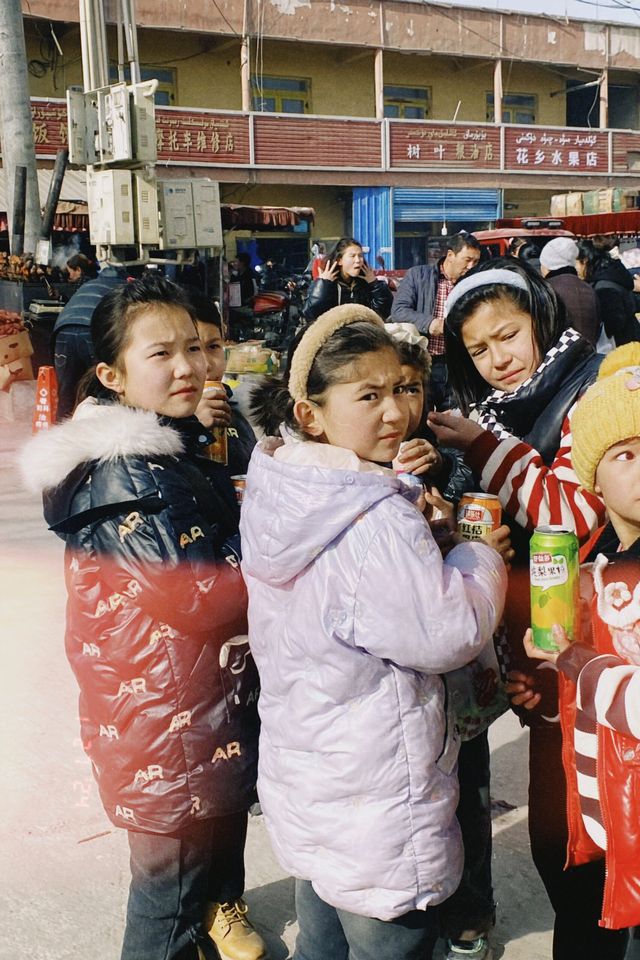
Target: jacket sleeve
381, 298
406, 300
322, 295
168, 562
439, 614
529, 491
608, 688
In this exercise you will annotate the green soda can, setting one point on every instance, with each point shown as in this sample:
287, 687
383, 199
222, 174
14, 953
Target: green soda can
554, 569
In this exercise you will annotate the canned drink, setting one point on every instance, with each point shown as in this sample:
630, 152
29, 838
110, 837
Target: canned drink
555, 585
239, 482
218, 450
478, 514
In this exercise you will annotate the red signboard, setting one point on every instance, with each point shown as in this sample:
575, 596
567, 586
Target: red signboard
429, 145
553, 150
202, 137
317, 142
49, 126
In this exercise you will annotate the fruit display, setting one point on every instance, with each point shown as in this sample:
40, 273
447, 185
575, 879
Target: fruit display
25, 269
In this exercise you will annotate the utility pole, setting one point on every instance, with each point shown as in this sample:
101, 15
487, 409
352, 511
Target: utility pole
16, 134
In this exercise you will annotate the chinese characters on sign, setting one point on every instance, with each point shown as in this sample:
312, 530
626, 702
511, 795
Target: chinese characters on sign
216, 138
202, 137
575, 151
451, 145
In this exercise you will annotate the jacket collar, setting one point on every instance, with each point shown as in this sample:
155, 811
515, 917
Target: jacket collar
101, 432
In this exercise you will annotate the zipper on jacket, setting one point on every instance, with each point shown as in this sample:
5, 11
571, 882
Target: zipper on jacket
605, 918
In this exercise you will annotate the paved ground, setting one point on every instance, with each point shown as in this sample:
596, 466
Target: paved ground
65, 875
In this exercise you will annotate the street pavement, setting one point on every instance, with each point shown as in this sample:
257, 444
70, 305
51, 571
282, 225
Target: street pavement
65, 869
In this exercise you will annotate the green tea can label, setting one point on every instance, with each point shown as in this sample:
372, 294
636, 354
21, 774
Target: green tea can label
554, 569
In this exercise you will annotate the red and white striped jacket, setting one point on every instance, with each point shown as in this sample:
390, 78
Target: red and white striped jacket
531, 492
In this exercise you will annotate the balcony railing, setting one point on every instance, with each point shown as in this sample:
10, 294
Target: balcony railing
227, 138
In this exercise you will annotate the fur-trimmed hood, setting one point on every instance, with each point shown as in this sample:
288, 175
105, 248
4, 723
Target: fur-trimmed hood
97, 432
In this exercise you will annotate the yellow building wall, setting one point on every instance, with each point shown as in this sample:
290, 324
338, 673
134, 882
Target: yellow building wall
207, 72
469, 81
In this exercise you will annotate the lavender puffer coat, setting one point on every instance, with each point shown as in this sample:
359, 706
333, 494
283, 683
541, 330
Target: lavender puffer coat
352, 617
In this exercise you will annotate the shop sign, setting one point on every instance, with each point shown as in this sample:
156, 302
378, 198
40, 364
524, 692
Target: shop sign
543, 149
50, 132
202, 137
429, 145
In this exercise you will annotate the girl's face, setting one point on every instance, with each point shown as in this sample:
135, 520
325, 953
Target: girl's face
213, 346
499, 338
163, 367
352, 261
368, 413
618, 483
413, 385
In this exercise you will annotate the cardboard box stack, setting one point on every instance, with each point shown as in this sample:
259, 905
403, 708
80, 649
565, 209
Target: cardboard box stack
15, 350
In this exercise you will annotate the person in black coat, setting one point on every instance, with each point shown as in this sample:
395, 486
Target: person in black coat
156, 622
613, 285
347, 278
558, 267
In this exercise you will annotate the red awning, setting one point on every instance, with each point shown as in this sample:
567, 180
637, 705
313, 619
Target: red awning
243, 217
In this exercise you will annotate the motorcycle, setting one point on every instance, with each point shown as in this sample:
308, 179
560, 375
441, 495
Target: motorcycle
271, 315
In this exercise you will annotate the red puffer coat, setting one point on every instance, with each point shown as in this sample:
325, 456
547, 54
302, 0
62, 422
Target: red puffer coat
156, 614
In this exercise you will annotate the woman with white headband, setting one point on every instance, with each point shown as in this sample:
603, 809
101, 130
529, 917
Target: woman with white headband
518, 374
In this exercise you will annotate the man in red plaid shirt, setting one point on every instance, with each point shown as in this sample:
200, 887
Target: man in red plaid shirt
420, 300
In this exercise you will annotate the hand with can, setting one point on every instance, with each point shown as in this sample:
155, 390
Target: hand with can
417, 457
440, 515
560, 639
214, 409
500, 540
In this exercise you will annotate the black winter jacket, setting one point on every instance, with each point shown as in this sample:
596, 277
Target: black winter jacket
613, 285
325, 294
156, 614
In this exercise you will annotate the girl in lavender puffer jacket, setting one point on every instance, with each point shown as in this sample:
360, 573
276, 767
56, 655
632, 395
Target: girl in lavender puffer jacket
353, 616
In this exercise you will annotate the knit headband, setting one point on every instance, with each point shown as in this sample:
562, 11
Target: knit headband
316, 337
481, 279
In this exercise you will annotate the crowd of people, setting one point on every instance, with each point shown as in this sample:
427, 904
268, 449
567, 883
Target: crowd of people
335, 601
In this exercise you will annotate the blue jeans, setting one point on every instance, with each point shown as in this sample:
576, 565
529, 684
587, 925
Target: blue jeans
326, 933
172, 878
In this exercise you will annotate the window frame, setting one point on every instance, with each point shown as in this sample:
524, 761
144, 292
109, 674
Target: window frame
511, 108
402, 101
280, 94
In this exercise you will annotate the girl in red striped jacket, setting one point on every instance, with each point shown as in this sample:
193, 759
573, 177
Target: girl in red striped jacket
600, 676
518, 374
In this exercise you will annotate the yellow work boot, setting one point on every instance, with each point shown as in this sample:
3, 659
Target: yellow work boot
233, 935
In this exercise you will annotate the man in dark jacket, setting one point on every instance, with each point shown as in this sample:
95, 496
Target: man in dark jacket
72, 347
558, 267
420, 300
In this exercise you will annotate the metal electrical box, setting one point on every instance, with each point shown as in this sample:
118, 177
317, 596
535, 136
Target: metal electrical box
146, 208
206, 203
111, 211
143, 115
177, 215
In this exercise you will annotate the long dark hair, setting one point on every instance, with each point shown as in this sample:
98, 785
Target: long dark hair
271, 403
595, 254
112, 324
538, 300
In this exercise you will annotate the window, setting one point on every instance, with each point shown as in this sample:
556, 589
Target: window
516, 108
410, 103
281, 95
166, 92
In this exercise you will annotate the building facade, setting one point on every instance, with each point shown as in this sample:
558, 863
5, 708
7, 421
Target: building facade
397, 121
